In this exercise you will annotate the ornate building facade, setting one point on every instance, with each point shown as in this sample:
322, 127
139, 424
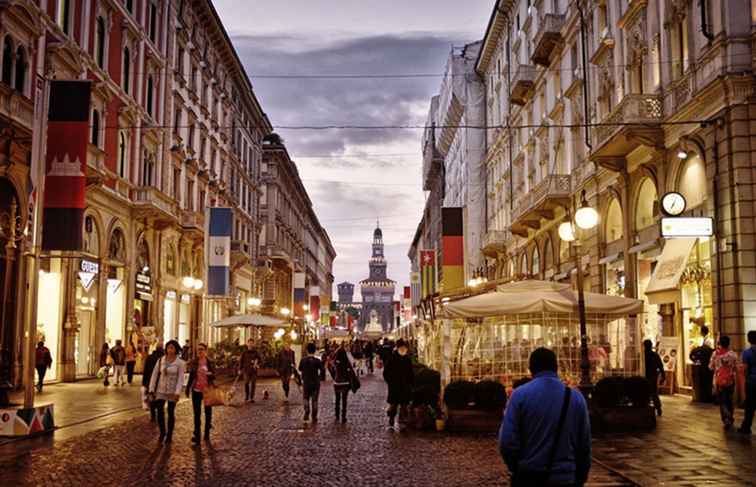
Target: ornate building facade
669, 105
377, 290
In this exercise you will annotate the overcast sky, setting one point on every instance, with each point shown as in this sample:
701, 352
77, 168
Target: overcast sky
354, 176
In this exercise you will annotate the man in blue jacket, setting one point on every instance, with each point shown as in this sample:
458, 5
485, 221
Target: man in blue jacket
536, 448
749, 360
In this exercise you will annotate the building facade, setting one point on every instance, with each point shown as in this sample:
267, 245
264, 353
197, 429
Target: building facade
625, 101
377, 290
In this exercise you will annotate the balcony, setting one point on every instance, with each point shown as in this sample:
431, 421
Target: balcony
152, 204
193, 221
240, 252
16, 107
548, 38
634, 123
522, 84
495, 242
540, 202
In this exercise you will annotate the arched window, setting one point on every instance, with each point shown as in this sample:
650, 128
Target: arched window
535, 262
524, 263
644, 209
614, 221
21, 66
148, 169
692, 182
7, 60
548, 255
125, 81
150, 88
100, 43
95, 128
63, 15
123, 147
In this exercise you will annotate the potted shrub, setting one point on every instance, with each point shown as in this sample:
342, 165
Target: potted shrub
474, 407
425, 396
620, 404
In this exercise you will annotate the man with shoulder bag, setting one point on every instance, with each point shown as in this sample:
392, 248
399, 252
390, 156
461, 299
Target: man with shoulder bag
545, 437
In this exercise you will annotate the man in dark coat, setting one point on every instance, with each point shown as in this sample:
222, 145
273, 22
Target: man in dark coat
149, 366
400, 378
654, 370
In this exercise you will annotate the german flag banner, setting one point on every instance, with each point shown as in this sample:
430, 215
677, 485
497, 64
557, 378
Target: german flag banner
428, 272
453, 249
66, 165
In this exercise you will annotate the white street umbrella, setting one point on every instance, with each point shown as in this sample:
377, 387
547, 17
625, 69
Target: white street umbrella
241, 321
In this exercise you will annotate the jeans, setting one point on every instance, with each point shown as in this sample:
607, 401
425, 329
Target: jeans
750, 405
41, 371
250, 383
403, 413
654, 390
370, 366
724, 396
286, 383
197, 408
159, 404
130, 371
118, 374
311, 397
342, 392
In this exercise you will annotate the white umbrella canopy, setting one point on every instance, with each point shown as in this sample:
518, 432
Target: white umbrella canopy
534, 296
240, 321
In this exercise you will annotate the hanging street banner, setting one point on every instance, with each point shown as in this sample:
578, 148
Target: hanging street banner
300, 297
428, 272
453, 253
218, 251
66, 165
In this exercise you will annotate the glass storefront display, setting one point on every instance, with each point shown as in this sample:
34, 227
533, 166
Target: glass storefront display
115, 310
87, 294
50, 312
169, 316
696, 301
185, 316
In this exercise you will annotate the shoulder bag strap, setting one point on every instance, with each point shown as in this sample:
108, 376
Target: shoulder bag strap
558, 432
160, 371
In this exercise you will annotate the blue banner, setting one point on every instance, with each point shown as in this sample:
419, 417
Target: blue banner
220, 225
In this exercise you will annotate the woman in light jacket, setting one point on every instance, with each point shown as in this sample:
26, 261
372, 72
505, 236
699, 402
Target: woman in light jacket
166, 385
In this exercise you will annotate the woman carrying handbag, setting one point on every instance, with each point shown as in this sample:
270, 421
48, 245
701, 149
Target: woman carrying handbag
166, 385
201, 379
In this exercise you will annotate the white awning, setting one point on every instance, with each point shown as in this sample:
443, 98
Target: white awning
663, 286
239, 321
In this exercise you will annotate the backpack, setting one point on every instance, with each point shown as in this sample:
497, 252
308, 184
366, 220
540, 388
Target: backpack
725, 374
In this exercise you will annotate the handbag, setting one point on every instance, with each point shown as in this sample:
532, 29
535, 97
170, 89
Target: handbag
214, 396
151, 394
354, 381
530, 478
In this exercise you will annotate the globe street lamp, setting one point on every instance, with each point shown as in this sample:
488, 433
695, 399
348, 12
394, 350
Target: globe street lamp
586, 218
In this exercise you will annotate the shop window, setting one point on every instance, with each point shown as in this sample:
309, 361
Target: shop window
645, 208
91, 236
696, 300
150, 90
148, 169
535, 264
100, 42
613, 221
130, 6
63, 15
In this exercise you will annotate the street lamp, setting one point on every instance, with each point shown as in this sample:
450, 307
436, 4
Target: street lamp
586, 218
254, 302
285, 311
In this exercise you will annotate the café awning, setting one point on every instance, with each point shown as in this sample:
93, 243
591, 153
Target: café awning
664, 284
241, 321
533, 296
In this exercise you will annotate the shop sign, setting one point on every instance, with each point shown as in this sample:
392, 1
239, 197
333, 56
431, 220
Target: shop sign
88, 270
687, 227
143, 284
170, 295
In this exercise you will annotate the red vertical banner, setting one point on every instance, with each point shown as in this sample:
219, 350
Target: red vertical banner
66, 165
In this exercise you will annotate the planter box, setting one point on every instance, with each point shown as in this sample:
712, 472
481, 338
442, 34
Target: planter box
473, 421
622, 419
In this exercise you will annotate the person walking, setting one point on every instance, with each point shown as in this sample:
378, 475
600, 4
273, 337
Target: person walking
186, 352
286, 366
201, 376
166, 385
545, 436
118, 354
724, 364
342, 380
42, 362
702, 375
131, 359
248, 365
749, 360
654, 370
400, 377
369, 352
106, 361
313, 372
149, 367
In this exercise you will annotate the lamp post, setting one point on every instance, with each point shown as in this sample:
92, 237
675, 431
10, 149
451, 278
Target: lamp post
586, 218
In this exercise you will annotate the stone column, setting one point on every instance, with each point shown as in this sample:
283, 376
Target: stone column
70, 322
667, 312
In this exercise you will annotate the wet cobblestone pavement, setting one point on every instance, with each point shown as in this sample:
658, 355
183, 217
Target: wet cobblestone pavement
268, 444
265, 444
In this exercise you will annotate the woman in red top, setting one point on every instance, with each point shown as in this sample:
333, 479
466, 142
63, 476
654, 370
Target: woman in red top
201, 375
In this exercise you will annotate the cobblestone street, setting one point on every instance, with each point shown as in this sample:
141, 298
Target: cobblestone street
268, 444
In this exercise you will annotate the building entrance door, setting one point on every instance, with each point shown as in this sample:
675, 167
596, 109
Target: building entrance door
85, 363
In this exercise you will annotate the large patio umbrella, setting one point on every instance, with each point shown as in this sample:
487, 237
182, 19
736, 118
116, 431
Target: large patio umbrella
533, 296
242, 321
